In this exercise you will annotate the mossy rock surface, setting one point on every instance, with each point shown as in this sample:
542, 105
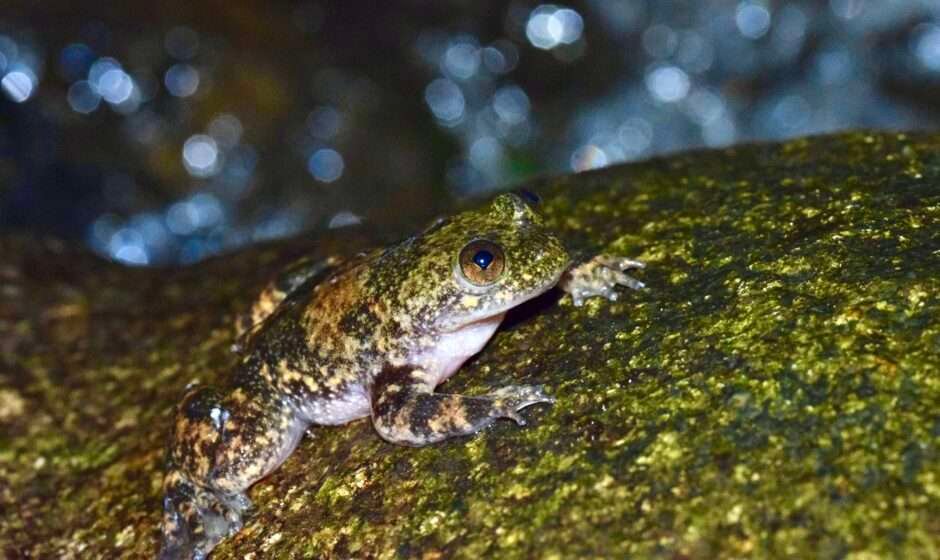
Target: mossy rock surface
774, 393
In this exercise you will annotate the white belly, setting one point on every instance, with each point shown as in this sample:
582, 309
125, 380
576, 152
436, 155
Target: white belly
340, 409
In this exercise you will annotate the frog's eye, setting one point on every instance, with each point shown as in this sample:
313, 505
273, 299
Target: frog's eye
482, 262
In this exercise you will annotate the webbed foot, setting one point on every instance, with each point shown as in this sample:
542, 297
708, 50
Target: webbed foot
509, 400
600, 276
195, 520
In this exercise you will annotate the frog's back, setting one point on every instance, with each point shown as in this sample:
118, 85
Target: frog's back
318, 344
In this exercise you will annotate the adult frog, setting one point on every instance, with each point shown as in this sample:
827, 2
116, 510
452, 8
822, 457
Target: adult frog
330, 342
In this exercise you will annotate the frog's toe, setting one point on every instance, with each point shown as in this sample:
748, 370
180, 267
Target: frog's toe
513, 398
619, 263
527, 394
508, 412
622, 279
237, 506
610, 273
605, 287
220, 515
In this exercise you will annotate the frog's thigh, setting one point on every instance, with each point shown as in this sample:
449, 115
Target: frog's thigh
236, 439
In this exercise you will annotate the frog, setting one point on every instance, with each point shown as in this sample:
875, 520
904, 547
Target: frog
332, 341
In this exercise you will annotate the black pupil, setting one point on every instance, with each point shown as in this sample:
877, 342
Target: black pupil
483, 258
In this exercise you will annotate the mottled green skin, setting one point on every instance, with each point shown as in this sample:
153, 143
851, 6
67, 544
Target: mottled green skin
775, 393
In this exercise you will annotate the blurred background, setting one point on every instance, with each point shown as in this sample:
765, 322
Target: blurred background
159, 133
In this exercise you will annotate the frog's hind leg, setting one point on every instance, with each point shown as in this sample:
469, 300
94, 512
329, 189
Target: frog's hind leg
222, 444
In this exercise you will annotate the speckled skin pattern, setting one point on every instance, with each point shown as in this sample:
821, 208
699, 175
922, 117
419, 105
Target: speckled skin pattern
332, 341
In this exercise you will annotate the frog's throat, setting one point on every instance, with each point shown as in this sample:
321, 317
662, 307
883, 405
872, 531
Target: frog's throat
453, 348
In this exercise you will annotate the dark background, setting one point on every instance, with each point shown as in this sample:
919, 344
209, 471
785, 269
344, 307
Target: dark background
167, 132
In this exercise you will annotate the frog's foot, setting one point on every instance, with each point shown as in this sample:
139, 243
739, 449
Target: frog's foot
600, 276
195, 519
509, 400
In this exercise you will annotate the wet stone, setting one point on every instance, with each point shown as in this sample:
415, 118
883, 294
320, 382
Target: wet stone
774, 391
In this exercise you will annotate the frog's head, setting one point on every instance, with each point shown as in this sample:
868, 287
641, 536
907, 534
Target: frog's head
479, 264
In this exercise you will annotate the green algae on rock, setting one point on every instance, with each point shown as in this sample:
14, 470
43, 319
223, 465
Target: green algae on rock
775, 392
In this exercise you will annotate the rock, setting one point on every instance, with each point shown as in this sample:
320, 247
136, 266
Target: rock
775, 391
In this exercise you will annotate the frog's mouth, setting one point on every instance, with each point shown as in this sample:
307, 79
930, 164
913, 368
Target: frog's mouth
470, 318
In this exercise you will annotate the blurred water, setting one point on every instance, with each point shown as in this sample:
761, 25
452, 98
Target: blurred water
175, 144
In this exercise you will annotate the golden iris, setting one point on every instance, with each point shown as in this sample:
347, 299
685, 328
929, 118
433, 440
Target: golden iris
482, 262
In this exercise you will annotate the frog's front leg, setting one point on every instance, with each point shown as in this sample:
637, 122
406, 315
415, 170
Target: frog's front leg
406, 410
600, 276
